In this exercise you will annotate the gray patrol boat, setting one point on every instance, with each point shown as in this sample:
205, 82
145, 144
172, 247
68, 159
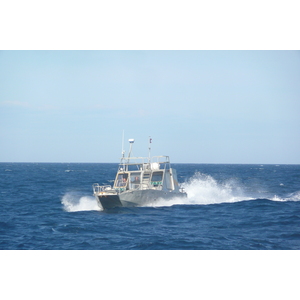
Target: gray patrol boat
139, 181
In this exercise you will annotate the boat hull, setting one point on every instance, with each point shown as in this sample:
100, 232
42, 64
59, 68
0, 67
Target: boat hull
136, 198
109, 201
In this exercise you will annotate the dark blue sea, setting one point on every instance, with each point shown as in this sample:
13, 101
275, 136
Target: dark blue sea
242, 207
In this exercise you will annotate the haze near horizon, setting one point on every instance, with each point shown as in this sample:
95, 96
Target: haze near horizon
197, 106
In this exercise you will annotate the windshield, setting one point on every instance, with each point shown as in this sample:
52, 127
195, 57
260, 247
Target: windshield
121, 180
135, 180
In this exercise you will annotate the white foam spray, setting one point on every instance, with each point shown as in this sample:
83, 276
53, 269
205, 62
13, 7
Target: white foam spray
291, 197
201, 189
204, 189
74, 202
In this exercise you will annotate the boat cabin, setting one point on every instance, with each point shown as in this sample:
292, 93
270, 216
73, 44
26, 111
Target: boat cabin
138, 173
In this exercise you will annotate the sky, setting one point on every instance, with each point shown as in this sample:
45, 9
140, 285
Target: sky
197, 106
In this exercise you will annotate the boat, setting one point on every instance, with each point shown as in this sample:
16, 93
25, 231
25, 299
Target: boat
140, 181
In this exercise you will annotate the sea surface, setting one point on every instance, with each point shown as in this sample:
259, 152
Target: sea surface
50, 206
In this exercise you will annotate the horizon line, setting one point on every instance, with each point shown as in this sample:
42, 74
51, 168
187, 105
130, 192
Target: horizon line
196, 163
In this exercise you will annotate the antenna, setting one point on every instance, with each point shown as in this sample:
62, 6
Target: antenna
150, 141
123, 151
131, 141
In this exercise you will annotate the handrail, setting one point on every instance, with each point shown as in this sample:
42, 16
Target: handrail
163, 163
101, 188
144, 160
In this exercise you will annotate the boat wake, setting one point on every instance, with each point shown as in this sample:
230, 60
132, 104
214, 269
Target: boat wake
201, 189
291, 197
73, 202
204, 189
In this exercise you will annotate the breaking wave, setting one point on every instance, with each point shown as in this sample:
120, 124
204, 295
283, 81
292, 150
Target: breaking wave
74, 202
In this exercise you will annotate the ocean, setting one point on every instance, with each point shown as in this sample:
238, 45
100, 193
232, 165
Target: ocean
49, 206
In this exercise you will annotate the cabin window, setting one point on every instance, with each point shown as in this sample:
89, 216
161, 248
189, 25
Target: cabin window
157, 178
121, 180
135, 180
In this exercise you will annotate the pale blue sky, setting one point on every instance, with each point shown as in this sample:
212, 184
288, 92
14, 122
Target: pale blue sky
198, 106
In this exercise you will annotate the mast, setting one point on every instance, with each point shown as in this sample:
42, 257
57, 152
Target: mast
149, 147
131, 141
123, 152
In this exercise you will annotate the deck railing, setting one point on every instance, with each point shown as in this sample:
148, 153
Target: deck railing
101, 188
